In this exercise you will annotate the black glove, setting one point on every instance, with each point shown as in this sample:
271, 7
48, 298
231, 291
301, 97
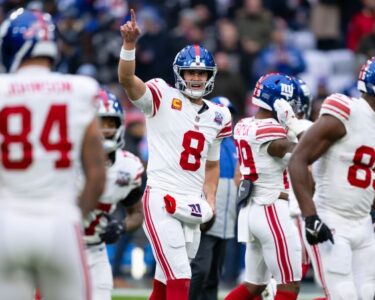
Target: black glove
112, 231
207, 226
317, 231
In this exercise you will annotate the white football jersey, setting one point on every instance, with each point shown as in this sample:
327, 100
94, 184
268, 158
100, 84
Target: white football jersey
344, 175
43, 118
269, 175
293, 202
179, 137
122, 177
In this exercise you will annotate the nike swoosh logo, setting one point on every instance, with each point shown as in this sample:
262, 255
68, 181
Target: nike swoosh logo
312, 232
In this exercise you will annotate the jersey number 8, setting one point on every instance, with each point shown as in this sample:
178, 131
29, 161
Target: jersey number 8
360, 173
192, 149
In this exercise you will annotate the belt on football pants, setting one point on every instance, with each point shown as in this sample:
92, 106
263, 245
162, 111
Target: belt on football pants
284, 196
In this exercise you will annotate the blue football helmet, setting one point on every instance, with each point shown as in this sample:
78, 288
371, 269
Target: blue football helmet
366, 78
110, 107
26, 34
194, 57
273, 86
305, 98
224, 101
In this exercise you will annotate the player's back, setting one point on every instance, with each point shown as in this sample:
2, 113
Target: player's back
268, 173
344, 174
43, 118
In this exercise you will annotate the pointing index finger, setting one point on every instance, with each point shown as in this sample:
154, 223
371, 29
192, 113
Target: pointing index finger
132, 16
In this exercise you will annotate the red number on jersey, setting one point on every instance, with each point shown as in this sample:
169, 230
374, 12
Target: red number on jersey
190, 150
360, 174
246, 159
57, 117
20, 137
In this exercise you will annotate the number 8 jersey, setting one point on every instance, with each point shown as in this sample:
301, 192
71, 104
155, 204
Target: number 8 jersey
344, 175
179, 137
43, 118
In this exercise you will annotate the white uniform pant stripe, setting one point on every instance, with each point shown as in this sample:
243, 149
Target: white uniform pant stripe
305, 254
85, 268
283, 259
319, 269
284, 241
155, 239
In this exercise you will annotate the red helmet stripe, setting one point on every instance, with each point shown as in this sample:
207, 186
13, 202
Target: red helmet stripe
104, 97
197, 54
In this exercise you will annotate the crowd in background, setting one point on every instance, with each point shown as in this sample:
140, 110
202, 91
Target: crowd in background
322, 41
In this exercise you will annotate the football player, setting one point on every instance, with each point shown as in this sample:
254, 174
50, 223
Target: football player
48, 125
272, 244
184, 133
341, 147
123, 186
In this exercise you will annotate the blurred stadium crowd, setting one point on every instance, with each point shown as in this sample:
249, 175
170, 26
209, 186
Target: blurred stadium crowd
322, 41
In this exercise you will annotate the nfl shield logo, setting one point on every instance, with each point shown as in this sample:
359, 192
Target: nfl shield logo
123, 178
218, 118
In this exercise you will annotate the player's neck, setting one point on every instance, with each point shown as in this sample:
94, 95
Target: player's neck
263, 114
37, 61
196, 101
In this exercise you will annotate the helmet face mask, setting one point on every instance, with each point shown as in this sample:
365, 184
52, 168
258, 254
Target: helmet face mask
275, 86
194, 57
366, 78
109, 126
26, 34
305, 97
112, 121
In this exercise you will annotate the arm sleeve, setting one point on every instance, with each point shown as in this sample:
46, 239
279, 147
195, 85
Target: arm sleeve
226, 130
270, 132
145, 103
150, 102
337, 105
214, 151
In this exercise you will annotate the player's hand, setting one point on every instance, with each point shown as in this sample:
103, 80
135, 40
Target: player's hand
130, 30
287, 118
317, 231
112, 231
207, 225
284, 112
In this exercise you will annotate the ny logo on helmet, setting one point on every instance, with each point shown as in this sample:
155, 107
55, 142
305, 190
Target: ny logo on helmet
287, 90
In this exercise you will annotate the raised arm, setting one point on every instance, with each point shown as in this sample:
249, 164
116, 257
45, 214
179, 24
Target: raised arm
133, 85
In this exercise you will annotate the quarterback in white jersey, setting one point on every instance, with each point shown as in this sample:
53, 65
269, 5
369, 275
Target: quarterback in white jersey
123, 186
341, 146
272, 244
184, 132
47, 127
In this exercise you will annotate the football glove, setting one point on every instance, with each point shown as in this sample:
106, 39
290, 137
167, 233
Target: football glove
207, 225
287, 118
112, 231
317, 231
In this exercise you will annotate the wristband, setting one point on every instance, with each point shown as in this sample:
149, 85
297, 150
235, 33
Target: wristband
127, 55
